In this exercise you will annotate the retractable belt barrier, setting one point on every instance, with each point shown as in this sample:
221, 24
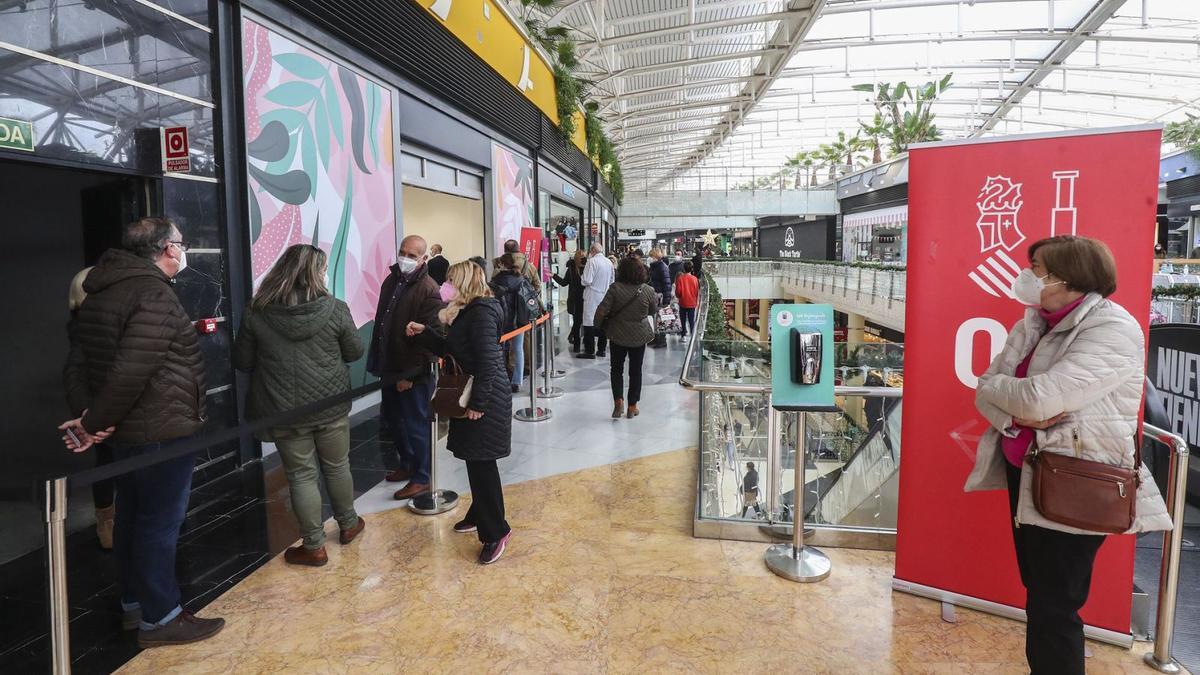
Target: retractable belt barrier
96, 474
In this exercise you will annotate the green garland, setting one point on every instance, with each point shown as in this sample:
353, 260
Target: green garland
567, 91
1175, 292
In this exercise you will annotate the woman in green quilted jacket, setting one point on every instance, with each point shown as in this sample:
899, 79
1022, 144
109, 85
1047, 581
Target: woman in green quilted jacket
295, 342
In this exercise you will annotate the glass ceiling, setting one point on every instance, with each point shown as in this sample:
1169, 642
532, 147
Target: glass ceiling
717, 93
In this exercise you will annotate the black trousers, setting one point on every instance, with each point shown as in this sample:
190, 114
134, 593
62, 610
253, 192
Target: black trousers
1056, 569
487, 500
576, 326
617, 372
592, 335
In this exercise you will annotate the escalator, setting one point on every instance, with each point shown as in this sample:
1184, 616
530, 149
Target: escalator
851, 495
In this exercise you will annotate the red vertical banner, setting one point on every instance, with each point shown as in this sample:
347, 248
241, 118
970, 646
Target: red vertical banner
974, 209
531, 245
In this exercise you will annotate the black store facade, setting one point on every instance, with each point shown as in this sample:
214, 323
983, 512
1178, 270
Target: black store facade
341, 124
798, 237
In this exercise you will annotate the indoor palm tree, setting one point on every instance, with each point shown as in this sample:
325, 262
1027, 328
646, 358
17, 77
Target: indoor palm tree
1185, 135
874, 134
908, 110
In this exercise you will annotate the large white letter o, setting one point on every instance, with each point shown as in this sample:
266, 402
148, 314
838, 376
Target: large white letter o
964, 346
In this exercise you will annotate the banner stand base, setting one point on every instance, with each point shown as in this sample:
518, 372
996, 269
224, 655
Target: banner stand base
1124, 640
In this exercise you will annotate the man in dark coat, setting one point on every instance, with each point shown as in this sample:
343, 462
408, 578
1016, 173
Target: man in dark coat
698, 261
437, 265
676, 267
408, 294
135, 376
660, 280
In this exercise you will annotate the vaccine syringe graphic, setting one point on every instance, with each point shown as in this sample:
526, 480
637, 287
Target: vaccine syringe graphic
1062, 218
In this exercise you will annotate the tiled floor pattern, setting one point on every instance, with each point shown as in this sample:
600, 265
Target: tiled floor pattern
602, 576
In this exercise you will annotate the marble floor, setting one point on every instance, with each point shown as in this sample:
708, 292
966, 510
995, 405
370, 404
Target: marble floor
580, 433
602, 576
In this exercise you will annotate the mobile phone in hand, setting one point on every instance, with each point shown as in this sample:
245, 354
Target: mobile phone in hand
74, 438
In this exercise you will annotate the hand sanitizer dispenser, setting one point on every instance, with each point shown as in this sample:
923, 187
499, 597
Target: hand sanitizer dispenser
806, 357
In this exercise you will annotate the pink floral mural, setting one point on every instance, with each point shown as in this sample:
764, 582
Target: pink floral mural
512, 182
320, 164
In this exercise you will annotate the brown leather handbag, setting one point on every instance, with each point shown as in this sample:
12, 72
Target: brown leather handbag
1084, 494
453, 391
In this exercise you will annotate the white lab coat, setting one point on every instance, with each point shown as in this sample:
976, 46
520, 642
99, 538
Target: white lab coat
598, 275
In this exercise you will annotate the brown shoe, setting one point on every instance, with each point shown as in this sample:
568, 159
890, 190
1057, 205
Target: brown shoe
184, 629
312, 557
633, 411
618, 409
104, 526
348, 536
398, 476
411, 490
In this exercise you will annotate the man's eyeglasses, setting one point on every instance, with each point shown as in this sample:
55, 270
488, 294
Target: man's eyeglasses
181, 245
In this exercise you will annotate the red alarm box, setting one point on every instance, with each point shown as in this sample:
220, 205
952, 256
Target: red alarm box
206, 326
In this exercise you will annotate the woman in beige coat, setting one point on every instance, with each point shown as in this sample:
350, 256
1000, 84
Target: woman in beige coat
1068, 381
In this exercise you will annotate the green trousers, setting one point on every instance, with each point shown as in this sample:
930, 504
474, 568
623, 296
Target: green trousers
301, 449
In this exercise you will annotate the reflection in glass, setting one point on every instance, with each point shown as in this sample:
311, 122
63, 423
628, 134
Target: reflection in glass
85, 117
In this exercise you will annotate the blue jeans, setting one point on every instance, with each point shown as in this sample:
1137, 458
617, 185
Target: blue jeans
151, 505
518, 347
408, 418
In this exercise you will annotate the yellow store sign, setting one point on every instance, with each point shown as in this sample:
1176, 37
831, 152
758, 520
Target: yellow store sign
487, 30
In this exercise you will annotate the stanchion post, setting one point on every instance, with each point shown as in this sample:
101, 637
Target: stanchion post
435, 501
534, 413
795, 561
555, 373
1168, 578
56, 564
548, 390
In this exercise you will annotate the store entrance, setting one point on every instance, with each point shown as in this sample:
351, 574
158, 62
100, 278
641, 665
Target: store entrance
56, 221
441, 218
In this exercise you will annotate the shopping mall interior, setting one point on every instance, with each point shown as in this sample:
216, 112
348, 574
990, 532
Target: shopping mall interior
853, 186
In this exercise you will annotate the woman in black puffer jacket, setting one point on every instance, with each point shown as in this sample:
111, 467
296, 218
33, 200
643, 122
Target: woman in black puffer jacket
474, 319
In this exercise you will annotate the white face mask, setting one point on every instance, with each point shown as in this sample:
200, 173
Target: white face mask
678, 258
407, 265
1028, 287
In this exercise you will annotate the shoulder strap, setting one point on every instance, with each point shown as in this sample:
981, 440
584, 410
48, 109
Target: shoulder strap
627, 303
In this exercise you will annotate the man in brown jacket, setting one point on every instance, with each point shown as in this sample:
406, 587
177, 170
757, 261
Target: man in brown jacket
408, 294
135, 376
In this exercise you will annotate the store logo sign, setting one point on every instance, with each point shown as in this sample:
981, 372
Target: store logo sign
16, 135
568, 190
789, 238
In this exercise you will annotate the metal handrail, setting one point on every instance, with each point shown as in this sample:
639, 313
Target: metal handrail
1168, 579
762, 388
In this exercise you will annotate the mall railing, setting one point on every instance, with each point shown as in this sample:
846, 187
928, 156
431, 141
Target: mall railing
733, 377
726, 394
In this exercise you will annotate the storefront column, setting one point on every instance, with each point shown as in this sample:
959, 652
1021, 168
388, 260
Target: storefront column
855, 328
764, 320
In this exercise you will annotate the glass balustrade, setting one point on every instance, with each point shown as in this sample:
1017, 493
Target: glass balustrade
748, 452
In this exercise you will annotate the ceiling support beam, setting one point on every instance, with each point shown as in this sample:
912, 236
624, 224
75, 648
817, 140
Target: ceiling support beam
702, 25
790, 33
1102, 11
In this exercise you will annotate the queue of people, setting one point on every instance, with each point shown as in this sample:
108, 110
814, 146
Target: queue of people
136, 385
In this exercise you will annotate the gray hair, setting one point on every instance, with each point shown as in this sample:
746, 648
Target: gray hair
147, 237
596, 248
